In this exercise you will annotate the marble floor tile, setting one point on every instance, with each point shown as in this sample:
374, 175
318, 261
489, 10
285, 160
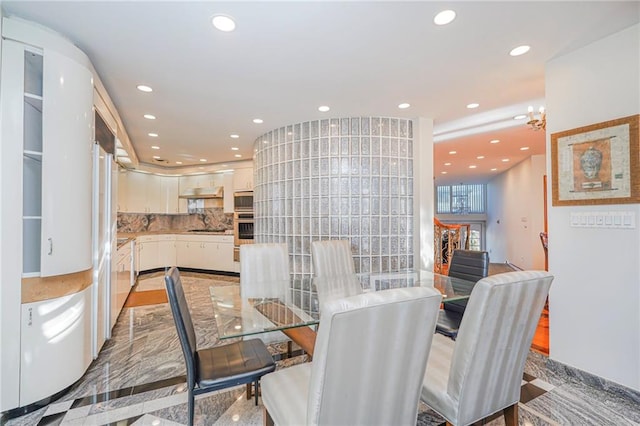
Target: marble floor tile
138, 379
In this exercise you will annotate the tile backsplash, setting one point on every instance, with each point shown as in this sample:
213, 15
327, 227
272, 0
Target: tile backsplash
211, 219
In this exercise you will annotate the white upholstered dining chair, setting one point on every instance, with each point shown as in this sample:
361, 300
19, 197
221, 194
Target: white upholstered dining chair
264, 273
334, 273
480, 373
368, 363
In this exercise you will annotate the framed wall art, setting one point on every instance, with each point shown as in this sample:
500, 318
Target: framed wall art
597, 164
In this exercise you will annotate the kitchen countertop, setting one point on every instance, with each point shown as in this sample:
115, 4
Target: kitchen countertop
173, 232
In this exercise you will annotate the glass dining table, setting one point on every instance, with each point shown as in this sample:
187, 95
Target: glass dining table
293, 306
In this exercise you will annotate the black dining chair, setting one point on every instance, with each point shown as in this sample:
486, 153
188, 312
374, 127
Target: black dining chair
219, 367
469, 265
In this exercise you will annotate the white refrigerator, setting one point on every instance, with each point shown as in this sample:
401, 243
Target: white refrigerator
104, 244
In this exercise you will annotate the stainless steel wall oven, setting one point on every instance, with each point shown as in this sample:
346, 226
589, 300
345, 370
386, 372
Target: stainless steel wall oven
242, 231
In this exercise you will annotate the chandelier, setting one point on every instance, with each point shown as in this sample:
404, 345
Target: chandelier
537, 122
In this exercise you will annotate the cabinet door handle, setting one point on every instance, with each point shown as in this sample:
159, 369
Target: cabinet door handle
50, 246
30, 322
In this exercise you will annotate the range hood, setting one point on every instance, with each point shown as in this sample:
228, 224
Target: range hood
200, 193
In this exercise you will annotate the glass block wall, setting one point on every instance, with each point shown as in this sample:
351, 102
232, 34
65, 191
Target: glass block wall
340, 178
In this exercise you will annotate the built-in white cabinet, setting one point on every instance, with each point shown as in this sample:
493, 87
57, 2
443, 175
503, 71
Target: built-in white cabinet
148, 193
156, 251
210, 252
55, 344
243, 179
47, 110
124, 280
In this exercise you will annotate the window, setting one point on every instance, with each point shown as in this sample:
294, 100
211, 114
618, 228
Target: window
461, 199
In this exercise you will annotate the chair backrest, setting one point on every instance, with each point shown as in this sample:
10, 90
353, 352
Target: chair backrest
332, 258
494, 340
182, 319
470, 265
336, 287
263, 267
358, 375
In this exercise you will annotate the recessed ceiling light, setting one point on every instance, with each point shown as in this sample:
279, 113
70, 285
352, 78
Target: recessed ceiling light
494, 169
473, 166
144, 88
524, 148
447, 164
473, 105
153, 135
155, 147
520, 117
237, 155
178, 162
494, 141
404, 106
223, 23
203, 160
480, 157
234, 136
235, 148
265, 142
157, 157
453, 152
444, 17
443, 173
520, 50
149, 116
323, 108
258, 120
505, 160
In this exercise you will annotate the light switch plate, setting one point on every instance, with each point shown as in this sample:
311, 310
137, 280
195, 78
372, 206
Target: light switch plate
613, 219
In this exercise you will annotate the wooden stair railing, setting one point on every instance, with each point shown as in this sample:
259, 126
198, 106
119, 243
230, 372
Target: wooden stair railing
448, 237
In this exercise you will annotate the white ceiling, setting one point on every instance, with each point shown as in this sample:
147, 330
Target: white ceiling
360, 58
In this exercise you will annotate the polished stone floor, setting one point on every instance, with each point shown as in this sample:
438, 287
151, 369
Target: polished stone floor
138, 379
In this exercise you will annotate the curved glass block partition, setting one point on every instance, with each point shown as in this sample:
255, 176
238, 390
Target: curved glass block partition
340, 178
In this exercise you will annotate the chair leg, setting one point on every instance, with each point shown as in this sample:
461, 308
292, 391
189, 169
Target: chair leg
249, 391
511, 415
268, 421
191, 407
257, 390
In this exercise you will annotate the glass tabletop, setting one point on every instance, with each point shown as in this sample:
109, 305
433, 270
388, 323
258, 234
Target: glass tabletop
295, 303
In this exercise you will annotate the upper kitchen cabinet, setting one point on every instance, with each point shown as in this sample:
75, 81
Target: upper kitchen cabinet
243, 179
47, 115
148, 193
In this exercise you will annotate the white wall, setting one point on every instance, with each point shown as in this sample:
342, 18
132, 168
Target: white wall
423, 192
515, 214
595, 297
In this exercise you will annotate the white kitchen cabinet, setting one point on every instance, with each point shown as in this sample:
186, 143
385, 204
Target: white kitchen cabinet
123, 281
148, 193
169, 195
156, 251
166, 251
243, 179
147, 252
209, 252
55, 344
219, 254
47, 110
206, 180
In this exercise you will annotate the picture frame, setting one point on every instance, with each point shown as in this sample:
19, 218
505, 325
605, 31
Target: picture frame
597, 164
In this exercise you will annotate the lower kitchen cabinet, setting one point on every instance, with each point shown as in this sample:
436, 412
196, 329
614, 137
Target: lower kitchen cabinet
124, 265
156, 251
210, 252
55, 344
